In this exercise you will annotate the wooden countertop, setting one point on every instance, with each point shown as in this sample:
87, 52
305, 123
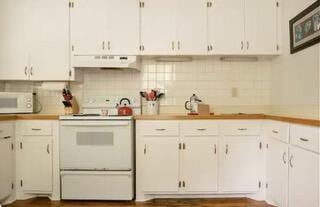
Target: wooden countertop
29, 117
309, 122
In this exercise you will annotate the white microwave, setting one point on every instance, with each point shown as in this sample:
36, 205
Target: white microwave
12, 103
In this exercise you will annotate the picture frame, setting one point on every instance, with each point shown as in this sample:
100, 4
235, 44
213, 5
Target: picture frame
305, 28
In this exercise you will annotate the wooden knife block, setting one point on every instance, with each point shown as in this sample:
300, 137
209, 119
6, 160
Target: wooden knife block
74, 109
203, 109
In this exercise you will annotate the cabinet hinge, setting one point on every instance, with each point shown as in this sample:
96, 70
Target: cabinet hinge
21, 183
260, 145
260, 184
12, 186
141, 4
21, 146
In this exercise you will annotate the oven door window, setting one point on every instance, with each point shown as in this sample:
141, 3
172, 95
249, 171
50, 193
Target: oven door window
95, 138
8, 103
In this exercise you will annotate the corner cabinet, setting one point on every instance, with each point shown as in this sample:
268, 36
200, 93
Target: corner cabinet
189, 158
37, 159
243, 27
34, 40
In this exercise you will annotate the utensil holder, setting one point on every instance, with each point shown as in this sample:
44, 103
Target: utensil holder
74, 109
152, 108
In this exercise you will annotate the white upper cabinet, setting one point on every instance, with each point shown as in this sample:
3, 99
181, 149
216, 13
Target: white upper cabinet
105, 27
158, 27
34, 40
191, 27
261, 27
174, 27
247, 27
225, 27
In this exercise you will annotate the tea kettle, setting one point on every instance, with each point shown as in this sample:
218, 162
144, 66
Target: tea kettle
124, 109
192, 104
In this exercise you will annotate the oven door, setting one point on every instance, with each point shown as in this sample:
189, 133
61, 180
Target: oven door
96, 145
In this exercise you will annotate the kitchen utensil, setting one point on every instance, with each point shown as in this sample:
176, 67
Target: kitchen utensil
123, 108
152, 107
192, 104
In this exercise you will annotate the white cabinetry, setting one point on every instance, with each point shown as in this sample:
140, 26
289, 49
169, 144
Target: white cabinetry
35, 40
174, 27
37, 158
243, 27
6, 164
105, 27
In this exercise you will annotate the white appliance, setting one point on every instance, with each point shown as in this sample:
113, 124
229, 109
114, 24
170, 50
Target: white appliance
16, 103
106, 62
96, 157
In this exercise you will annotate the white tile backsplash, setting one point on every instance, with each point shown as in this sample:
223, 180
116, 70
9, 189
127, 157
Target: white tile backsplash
211, 79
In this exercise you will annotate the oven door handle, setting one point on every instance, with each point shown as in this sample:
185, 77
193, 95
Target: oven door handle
94, 123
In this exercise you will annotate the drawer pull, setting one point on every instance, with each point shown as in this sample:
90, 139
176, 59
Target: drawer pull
275, 131
35, 129
242, 129
304, 139
202, 129
161, 130
48, 148
284, 157
7, 137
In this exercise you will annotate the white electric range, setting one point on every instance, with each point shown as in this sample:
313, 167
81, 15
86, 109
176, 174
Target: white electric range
96, 156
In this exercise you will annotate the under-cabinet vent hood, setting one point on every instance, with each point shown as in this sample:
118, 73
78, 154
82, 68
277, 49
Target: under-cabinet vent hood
106, 62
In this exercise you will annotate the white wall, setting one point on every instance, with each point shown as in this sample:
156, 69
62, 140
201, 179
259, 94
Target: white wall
295, 78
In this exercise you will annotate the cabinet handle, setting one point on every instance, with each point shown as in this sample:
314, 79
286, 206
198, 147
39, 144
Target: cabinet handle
48, 148
227, 149
304, 139
183, 146
31, 71
183, 184
26, 70
145, 149
103, 45
275, 131
284, 157
290, 161
215, 149
211, 47
248, 45
202, 129
109, 45
35, 129
242, 45
242, 129
161, 130
179, 45
179, 184
172, 45
7, 137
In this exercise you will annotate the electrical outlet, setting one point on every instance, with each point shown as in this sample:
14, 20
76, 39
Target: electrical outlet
234, 92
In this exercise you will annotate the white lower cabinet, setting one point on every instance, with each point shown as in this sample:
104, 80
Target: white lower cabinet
277, 173
303, 178
36, 162
160, 164
239, 164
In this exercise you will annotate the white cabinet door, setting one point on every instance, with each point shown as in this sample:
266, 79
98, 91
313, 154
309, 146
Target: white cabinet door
87, 22
277, 173
122, 27
303, 178
6, 167
49, 29
226, 27
192, 27
14, 41
36, 165
261, 27
160, 164
239, 164
158, 27
199, 164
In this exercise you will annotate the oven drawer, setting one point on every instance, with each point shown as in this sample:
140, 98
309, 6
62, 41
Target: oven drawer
96, 185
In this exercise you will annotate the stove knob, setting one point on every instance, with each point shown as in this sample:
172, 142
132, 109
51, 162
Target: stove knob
29, 105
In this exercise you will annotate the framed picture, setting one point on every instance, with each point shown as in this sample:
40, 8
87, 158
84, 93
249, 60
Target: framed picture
305, 28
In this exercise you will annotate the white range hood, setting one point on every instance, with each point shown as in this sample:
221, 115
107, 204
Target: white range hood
106, 62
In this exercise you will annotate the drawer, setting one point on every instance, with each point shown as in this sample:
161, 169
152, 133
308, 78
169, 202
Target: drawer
158, 128
306, 137
6, 129
35, 128
107, 185
277, 130
200, 128
241, 128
